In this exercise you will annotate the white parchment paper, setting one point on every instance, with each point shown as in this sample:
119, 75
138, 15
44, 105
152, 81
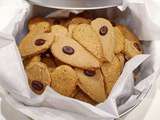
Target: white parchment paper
50, 105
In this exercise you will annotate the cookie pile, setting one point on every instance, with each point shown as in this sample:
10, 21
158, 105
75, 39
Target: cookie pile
78, 57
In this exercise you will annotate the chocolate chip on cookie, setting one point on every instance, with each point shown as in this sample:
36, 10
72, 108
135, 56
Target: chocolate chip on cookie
103, 30
39, 42
68, 50
37, 85
89, 73
136, 45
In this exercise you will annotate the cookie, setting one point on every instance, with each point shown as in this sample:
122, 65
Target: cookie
38, 76
75, 92
39, 25
132, 49
112, 71
91, 82
71, 28
34, 44
105, 31
84, 97
120, 40
59, 30
79, 20
87, 37
70, 52
132, 43
32, 59
121, 58
64, 80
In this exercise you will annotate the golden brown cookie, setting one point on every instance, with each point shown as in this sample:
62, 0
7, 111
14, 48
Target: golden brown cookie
31, 59
92, 83
38, 76
84, 97
34, 44
132, 49
105, 31
71, 28
120, 40
78, 20
75, 92
132, 43
112, 71
59, 30
39, 25
70, 52
64, 80
87, 37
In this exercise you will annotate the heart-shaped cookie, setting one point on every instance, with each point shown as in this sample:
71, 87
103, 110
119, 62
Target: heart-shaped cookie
105, 31
34, 44
87, 37
132, 44
64, 80
112, 71
38, 76
70, 52
92, 83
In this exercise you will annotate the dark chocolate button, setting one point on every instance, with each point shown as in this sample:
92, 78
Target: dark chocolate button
89, 73
68, 50
136, 45
39, 42
103, 30
37, 85
46, 54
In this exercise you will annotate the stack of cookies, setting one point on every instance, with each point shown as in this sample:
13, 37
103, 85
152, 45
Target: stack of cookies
78, 57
